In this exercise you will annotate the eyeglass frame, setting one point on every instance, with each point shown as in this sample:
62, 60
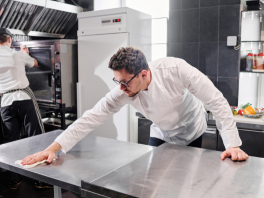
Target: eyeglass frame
126, 83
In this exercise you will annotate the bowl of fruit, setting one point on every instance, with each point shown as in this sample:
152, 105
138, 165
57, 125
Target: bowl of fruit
248, 111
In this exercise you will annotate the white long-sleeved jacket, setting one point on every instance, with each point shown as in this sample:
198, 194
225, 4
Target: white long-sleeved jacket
172, 102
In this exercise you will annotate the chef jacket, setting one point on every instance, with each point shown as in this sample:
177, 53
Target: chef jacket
13, 75
173, 102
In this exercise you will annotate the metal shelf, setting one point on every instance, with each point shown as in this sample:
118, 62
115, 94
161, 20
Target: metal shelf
260, 71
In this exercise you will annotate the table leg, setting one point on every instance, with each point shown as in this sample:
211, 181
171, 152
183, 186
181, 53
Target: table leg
57, 192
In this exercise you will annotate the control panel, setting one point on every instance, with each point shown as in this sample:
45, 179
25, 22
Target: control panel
103, 24
111, 20
58, 82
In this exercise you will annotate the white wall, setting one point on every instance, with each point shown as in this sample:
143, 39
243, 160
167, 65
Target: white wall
155, 8
107, 4
159, 11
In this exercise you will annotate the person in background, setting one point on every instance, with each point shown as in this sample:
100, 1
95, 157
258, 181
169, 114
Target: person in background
167, 91
18, 104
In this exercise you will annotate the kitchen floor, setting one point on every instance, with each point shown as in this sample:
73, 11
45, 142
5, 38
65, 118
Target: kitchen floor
27, 189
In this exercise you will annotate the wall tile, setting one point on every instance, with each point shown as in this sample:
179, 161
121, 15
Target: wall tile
228, 21
228, 64
208, 3
208, 56
174, 27
175, 5
229, 2
174, 50
204, 21
229, 88
209, 24
189, 52
190, 25
186, 4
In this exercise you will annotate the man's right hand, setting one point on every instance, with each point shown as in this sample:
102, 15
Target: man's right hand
37, 157
48, 154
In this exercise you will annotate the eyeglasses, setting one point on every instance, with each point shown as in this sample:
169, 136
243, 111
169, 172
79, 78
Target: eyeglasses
125, 83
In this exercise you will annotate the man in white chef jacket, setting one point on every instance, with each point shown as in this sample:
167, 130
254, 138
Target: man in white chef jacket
18, 103
169, 92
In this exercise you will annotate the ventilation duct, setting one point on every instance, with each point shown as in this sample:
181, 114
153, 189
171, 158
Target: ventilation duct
43, 18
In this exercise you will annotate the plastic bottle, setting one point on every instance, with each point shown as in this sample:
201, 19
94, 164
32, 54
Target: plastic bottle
260, 61
249, 62
255, 61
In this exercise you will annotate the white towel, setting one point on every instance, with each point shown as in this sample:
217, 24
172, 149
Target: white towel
18, 162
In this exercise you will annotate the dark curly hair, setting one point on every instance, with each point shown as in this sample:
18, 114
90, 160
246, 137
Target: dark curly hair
130, 58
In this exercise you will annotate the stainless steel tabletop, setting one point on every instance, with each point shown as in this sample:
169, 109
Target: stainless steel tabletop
90, 159
173, 171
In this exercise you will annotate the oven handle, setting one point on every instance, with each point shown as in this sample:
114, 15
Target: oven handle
51, 78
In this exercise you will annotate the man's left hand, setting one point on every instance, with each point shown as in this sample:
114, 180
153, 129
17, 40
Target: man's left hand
24, 48
236, 154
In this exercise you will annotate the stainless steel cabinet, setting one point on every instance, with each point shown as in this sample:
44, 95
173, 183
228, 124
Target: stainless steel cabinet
143, 130
252, 142
210, 138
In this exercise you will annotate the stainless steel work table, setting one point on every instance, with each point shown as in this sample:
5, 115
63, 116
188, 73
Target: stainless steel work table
172, 171
90, 159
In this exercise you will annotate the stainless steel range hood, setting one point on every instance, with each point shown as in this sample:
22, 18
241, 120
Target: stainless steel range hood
43, 18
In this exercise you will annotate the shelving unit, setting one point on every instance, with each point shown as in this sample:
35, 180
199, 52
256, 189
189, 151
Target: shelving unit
251, 83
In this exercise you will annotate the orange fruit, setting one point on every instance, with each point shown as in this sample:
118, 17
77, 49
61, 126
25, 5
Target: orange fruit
249, 110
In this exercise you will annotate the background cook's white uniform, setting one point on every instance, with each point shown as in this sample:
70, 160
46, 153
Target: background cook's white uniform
172, 102
13, 75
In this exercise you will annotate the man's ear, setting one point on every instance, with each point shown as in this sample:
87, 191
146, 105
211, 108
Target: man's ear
144, 74
9, 40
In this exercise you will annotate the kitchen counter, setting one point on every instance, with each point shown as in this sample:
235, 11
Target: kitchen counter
178, 171
241, 121
244, 122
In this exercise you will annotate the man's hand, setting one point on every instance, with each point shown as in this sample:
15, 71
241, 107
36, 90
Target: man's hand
236, 154
48, 154
24, 48
37, 157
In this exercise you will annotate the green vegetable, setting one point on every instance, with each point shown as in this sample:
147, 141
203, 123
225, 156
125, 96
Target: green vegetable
235, 112
246, 105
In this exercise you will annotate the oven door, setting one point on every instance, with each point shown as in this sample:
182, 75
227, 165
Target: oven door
41, 79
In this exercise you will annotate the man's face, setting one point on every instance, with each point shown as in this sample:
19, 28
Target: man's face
134, 86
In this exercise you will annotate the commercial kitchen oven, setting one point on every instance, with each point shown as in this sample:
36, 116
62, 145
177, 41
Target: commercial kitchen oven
54, 81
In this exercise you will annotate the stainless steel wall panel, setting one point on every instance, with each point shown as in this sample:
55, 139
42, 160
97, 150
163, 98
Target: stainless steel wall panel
63, 20
19, 15
23, 16
54, 22
39, 20
31, 16
15, 13
68, 27
44, 20
3, 8
66, 22
6, 8
9, 14
50, 18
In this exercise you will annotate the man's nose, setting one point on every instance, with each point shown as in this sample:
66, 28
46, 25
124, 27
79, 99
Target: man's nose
122, 87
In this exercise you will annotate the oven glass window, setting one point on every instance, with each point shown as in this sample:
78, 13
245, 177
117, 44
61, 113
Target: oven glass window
40, 77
